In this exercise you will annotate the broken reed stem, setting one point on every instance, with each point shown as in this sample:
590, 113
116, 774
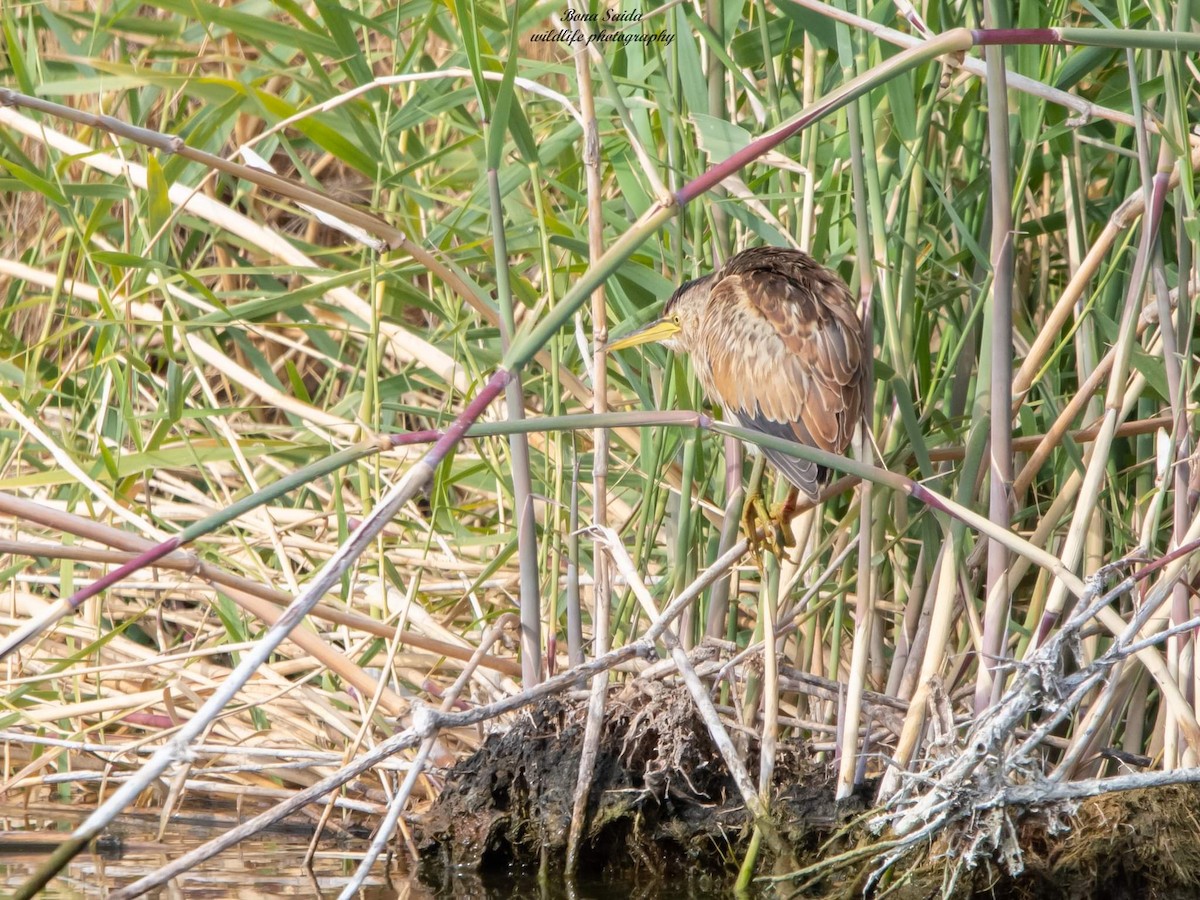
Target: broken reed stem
731, 521
1031, 795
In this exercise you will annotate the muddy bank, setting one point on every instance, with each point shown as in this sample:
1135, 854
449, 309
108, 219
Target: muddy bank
664, 812
662, 803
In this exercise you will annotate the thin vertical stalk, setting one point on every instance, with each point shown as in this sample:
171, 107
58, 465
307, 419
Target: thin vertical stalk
574, 611
591, 159
714, 18
760, 9
1000, 469
735, 494
557, 512
768, 745
1181, 648
601, 580
866, 190
864, 624
809, 142
1086, 362
937, 640
752, 694
526, 522
685, 537
617, 99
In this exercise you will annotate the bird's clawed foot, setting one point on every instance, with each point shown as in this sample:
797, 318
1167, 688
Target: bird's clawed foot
777, 533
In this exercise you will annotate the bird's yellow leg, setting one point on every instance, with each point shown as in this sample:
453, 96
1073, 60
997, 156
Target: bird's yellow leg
783, 513
753, 509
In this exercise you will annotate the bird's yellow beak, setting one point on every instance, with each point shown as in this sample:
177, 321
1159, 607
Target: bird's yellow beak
661, 330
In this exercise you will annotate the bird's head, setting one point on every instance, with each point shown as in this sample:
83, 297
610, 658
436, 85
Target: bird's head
679, 326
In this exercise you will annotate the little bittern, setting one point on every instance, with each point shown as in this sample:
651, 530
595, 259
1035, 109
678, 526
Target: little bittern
775, 339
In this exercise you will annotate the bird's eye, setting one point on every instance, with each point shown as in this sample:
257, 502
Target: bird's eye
675, 319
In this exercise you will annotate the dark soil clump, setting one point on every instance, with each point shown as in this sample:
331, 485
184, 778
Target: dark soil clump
662, 803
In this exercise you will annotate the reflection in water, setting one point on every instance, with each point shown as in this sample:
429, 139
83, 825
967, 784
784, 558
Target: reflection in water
270, 865
267, 866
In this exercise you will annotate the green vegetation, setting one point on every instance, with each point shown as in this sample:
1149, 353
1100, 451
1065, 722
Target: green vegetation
175, 339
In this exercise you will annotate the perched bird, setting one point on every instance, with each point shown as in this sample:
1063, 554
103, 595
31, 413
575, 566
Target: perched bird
775, 339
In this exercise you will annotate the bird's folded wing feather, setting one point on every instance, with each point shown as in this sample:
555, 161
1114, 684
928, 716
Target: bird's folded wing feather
787, 349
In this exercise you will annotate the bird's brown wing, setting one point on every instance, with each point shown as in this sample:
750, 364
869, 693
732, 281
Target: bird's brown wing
786, 356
